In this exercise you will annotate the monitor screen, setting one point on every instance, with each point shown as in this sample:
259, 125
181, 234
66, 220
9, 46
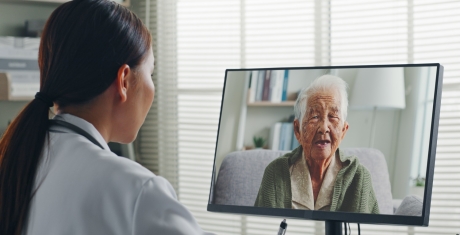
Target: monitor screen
343, 143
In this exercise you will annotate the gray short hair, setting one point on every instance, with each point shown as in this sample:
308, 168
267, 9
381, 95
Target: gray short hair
322, 83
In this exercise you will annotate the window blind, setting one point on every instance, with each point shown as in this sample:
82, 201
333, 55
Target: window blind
208, 40
369, 32
436, 38
196, 40
277, 35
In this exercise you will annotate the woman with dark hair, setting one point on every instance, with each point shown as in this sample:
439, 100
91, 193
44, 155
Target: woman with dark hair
58, 176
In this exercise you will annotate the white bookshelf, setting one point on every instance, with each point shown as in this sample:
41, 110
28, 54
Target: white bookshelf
258, 117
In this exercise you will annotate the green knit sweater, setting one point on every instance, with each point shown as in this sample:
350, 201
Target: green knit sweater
353, 190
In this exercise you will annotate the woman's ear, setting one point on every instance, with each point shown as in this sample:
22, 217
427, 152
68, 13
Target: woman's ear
122, 84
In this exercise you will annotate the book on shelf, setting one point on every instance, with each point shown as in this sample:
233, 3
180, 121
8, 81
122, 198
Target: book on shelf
260, 85
252, 85
266, 89
282, 137
288, 130
276, 86
285, 85
268, 85
274, 138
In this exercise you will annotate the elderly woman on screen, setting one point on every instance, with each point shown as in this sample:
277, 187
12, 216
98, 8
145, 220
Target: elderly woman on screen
317, 175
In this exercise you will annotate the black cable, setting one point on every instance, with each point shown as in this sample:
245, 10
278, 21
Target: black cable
349, 228
359, 230
345, 227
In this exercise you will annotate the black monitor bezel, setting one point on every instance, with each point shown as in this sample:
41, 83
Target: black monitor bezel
346, 216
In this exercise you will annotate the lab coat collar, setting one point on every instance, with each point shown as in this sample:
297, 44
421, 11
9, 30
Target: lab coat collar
83, 124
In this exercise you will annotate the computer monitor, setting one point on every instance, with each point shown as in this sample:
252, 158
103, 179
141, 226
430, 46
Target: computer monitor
336, 143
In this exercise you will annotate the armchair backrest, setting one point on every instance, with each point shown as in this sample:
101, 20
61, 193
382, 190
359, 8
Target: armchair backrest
240, 175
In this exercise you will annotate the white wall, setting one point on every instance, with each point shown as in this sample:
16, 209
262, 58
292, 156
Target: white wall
398, 133
412, 146
360, 124
235, 95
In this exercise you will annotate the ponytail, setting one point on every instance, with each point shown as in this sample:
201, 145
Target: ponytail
20, 149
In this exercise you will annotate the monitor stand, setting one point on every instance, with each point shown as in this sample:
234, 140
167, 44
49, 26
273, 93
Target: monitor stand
333, 227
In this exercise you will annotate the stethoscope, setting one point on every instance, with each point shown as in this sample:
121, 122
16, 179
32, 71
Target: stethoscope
75, 129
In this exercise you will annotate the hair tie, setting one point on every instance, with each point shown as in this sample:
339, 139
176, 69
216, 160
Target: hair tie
44, 98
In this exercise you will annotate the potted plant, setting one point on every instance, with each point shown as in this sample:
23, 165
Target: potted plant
418, 186
259, 142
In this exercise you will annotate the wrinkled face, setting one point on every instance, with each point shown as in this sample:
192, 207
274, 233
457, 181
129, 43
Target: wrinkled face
322, 128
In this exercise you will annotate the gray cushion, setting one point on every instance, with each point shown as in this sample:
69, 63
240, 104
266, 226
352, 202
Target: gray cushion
240, 176
411, 205
241, 173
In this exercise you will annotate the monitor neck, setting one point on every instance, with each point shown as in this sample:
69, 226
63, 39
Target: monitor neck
333, 227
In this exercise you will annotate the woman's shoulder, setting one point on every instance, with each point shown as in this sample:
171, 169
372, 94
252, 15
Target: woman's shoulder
120, 170
103, 165
124, 166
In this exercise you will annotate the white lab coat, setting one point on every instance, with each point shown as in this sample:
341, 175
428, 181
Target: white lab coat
82, 189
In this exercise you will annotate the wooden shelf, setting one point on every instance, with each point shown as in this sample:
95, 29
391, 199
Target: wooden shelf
271, 104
